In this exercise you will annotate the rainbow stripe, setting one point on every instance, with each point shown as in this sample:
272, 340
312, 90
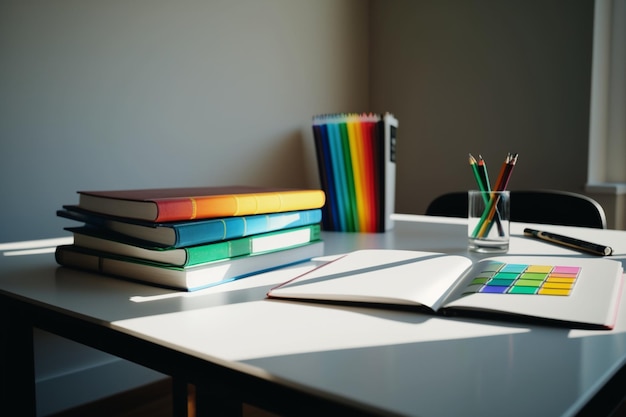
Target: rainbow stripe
350, 151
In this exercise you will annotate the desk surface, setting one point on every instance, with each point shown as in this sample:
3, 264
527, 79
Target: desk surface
386, 361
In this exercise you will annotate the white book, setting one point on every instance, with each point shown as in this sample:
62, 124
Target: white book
185, 278
578, 292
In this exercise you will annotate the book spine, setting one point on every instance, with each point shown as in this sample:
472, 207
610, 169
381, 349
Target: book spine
356, 158
339, 177
213, 252
73, 257
370, 211
356, 170
347, 170
333, 192
257, 244
190, 234
190, 279
390, 124
174, 209
322, 167
346, 131
379, 169
63, 256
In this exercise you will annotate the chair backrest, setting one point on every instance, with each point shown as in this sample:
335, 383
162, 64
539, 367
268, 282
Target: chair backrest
534, 206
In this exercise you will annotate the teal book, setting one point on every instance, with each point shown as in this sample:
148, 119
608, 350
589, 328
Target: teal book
117, 244
190, 278
195, 232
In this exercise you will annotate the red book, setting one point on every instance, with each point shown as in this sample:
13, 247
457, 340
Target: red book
175, 204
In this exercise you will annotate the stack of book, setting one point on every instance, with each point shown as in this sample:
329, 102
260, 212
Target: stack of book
356, 156
192, 238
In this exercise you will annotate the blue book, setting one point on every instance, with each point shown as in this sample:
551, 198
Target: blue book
195, 232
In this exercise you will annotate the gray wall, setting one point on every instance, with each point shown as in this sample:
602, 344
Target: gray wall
124, 94
486, 77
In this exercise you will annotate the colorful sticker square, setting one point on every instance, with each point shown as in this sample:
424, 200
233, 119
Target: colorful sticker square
501, 282
528, 283
552, 278
494, 289
514, 268
493, 267
539, 276
506, 275
501, 278
522, 290
539, 268
549, 291
573, 270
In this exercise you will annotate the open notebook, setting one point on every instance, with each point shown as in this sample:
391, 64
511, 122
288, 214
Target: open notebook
579, 292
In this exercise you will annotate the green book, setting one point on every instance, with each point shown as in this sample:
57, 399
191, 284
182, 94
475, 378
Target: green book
110, 243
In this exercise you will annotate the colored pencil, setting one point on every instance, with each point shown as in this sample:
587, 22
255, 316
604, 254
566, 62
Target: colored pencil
482, 178
482, 170
482, 165
477, 176
481, 228
486, 220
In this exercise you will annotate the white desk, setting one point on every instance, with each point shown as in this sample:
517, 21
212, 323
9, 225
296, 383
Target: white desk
308, 359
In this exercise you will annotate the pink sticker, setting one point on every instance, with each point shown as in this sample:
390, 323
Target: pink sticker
572, 270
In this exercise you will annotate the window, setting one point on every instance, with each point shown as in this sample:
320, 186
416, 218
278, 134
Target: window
607, 130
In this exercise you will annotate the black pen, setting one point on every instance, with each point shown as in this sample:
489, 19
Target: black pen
570, 242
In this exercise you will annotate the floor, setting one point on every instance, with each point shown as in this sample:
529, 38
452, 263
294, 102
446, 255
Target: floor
154, 400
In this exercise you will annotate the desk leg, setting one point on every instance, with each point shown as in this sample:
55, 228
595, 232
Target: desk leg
213, 401
180, 398
17, 363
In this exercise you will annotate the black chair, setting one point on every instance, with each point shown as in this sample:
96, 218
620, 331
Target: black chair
539, 206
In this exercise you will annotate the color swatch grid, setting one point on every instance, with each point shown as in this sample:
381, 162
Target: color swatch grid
503, 278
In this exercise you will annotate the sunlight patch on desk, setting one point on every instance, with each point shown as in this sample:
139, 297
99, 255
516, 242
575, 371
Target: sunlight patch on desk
148, 298
250, 330
30, 251
33, 247
421, 218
